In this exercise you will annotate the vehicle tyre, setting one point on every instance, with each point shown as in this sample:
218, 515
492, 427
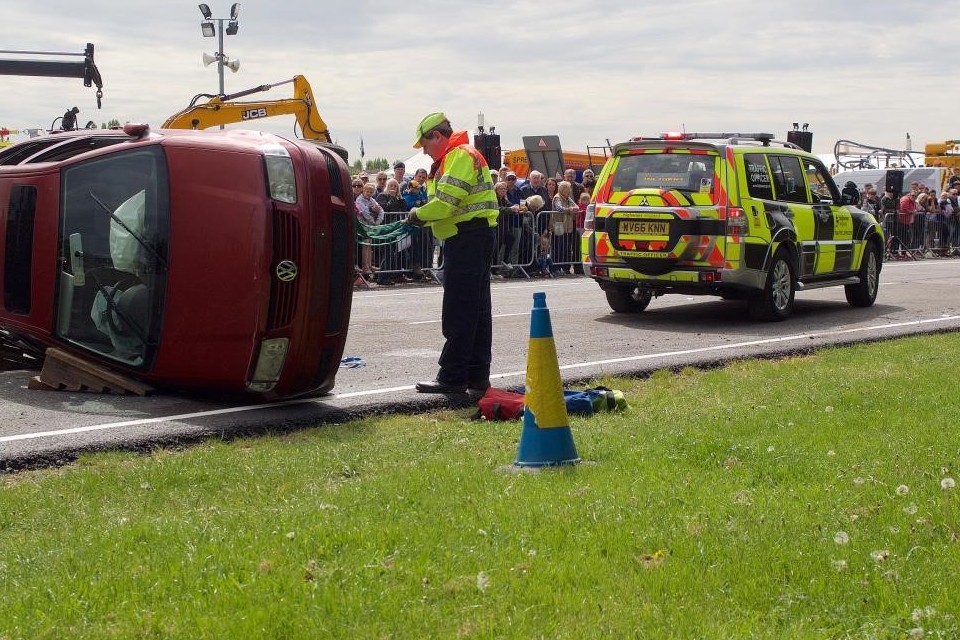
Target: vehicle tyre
628, 299
775, 302
865, 293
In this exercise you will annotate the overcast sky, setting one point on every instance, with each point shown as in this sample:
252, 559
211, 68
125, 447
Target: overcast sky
588, 71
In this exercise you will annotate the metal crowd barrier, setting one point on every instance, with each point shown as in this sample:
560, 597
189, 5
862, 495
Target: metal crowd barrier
558, 244
928, 235
530, 248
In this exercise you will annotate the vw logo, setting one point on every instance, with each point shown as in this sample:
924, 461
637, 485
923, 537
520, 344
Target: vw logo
286, 271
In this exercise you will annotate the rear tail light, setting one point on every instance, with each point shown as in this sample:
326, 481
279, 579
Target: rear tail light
589, 217
736, 222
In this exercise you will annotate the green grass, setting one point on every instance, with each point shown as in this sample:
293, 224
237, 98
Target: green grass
798, 498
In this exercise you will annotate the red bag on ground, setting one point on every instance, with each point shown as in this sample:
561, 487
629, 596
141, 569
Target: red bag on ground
499, 404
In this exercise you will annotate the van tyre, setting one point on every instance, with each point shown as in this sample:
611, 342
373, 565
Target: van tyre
628, 299
865, 293
775, 302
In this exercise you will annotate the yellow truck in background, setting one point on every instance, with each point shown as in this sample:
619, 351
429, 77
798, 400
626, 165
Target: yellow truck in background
942, 154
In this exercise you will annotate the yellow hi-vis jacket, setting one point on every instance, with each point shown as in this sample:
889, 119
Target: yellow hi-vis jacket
458, 190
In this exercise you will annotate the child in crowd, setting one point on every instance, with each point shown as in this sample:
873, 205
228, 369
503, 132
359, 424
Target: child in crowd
544, 261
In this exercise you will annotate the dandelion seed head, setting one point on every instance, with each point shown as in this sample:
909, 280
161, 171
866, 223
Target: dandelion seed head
831, 453
916, 632
880, 555
840, 565
483, 581
770, 449
859, 481
919, 614
910, 509
948, 483
828, 409
903, 490
841, 537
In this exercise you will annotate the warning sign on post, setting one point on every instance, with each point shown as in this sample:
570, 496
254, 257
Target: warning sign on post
544, 154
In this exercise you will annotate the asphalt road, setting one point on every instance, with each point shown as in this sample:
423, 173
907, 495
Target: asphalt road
395, 332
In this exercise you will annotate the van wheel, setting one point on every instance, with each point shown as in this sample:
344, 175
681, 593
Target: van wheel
628, 299
775, 302
865, 293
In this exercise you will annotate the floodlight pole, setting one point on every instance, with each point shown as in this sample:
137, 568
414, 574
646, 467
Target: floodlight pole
220, 56
231, 29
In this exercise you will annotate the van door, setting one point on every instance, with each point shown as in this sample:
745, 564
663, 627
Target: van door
833, 222
790, 191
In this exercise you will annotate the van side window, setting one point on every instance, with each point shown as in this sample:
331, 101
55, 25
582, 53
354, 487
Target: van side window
822, 188
18, 262
788, 179
758, 176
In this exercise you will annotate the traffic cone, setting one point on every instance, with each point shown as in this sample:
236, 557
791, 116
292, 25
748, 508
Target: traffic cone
546, 438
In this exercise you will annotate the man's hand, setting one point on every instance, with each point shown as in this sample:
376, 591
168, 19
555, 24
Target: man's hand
413, 219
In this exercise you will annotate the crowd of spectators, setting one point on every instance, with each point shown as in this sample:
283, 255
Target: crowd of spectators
541, 221
921, 221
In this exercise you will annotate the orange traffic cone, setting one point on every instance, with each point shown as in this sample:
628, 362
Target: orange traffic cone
546, 438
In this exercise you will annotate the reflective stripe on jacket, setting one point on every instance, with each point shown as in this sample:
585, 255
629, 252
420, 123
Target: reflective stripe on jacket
460, 189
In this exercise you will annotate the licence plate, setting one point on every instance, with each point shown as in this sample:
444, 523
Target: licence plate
644, 228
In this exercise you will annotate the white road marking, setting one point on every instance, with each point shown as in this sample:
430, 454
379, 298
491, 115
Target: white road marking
499, 376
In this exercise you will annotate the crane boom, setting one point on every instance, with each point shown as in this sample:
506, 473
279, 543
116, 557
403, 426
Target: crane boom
56, 68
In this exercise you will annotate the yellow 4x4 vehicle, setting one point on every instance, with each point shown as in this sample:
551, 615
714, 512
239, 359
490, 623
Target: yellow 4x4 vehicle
735, 215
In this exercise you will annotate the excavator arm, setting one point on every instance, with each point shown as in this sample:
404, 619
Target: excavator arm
224, 109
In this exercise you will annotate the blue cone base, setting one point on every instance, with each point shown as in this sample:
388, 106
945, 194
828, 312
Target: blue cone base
544, 447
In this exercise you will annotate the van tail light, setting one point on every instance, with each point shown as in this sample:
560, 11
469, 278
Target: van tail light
590, 217
736, 222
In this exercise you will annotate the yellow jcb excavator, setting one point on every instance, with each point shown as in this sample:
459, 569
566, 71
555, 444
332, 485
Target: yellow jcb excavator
221, 109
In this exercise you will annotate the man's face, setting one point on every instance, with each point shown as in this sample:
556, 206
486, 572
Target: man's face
398, 173
536, 180
570, 175
434, 145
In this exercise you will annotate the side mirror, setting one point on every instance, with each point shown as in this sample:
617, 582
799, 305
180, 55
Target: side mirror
76, 260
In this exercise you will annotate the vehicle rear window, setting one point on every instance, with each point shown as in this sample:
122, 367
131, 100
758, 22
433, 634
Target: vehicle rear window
684, 172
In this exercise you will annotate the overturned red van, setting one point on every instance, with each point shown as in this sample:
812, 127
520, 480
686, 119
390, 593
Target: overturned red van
213, 261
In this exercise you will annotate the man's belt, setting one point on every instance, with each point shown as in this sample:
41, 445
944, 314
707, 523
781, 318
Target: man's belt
472, 225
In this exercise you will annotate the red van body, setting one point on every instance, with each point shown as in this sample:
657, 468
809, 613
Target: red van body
214, 261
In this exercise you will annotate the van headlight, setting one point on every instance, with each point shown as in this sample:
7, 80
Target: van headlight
270, 361
281, 182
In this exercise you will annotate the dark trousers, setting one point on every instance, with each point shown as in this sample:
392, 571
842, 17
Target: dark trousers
467, 309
